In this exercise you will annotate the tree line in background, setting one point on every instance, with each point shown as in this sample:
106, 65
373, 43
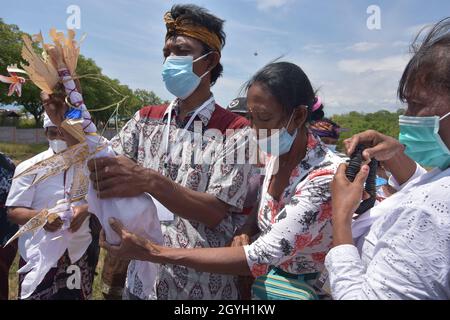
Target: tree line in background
383, 121
96, 93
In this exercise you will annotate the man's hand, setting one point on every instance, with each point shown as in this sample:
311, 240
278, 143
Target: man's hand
117, 177
381, 147
54, 225
55, 107
80, 213
132, 247
346, 196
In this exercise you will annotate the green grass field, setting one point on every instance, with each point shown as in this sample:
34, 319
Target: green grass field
96, 292
19, 153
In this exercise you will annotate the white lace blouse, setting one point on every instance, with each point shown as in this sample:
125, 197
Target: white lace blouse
406, 254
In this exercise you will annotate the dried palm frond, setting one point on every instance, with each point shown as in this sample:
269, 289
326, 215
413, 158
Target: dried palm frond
15, 69
80, 183
68, 46
34, 224
40, 220
41, 72
57, 163
74, 128
71, 52
39, 38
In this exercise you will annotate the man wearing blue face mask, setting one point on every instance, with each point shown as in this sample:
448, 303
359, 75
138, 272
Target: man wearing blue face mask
406, 254
198, 197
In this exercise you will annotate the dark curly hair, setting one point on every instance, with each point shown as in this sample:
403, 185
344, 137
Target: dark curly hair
201, 17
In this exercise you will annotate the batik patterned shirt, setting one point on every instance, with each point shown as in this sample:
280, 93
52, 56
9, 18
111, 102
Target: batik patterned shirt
296, 231
7, 229
142, 139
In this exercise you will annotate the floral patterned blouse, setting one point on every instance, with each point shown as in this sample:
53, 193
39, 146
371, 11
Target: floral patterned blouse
296, 232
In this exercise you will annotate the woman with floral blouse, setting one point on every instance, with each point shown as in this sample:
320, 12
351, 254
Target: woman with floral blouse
294, 215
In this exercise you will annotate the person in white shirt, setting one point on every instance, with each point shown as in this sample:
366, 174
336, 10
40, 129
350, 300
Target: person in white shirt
406, 254
24, 202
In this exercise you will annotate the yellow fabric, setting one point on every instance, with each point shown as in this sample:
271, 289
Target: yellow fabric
184, 27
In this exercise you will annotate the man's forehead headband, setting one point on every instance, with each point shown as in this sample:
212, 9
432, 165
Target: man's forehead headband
184, 27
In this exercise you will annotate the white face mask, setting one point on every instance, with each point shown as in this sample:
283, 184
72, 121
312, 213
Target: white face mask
57, 145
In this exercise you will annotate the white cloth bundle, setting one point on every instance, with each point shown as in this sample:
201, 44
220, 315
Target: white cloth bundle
138, 214
46, 248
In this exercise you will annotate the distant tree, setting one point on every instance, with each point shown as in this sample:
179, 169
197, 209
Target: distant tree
10, 53
383, 121
147, 98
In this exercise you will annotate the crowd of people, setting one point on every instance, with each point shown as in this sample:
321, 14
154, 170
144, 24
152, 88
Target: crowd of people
278, 223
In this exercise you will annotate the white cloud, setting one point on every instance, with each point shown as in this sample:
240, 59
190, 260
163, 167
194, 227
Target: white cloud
227, 89
397, 44
343, 91
391, 63
314, 48
364, 46
269, 4
368, 92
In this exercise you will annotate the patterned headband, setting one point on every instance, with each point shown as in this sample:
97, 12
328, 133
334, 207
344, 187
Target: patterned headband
185, 27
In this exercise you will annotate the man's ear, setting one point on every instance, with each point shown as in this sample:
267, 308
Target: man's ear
213, 59
300, 116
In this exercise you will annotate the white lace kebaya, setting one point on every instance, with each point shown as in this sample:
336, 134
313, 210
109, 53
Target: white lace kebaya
406, 254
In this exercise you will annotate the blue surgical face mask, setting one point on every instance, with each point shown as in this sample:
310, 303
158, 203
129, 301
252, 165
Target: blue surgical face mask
179, 77
423, 143
282, 138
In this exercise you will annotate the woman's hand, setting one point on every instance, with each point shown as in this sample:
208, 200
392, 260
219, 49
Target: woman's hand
132, 246
240, 240
387, 150
80, 213
380, 147
346, 196
242, 237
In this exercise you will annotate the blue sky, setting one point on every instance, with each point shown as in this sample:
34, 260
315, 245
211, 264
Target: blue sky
353, 68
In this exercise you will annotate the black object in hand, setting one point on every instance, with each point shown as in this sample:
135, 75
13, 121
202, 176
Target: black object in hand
352, 170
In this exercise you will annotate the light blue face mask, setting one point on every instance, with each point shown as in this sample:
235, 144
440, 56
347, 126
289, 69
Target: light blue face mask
423, 143
282, 138
179, 77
